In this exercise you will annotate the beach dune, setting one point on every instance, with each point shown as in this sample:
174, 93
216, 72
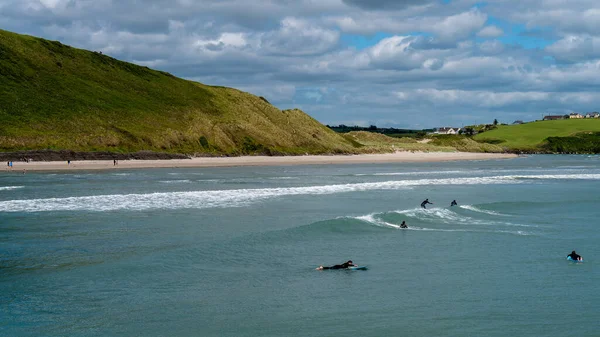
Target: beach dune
398, 157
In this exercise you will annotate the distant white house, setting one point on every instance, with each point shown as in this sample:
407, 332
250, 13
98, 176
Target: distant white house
592, 115
575, 115
447, 131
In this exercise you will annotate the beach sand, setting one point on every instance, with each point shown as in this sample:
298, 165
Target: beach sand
398, 157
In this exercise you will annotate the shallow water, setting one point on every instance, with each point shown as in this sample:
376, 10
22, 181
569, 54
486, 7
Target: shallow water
232, 251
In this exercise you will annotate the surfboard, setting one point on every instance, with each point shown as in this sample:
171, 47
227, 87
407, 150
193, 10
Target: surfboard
358, 268
571, 259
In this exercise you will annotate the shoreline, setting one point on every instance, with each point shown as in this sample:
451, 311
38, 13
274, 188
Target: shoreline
398, 157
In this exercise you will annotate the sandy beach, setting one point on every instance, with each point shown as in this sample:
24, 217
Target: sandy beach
398, 157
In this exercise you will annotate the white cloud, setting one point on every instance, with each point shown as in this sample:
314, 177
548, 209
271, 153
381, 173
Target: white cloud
405, 53
299, 37
492, 47
480, 98
449, 28
421, 57
459, 26
490, 32
575, 48
51, 3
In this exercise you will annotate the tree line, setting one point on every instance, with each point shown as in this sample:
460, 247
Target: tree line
393, 132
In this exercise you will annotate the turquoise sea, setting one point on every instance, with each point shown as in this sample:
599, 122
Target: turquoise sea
233, 251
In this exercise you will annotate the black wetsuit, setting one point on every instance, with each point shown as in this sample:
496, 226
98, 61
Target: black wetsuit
574, 256
425, 203
403, 225
453, 203
340, 266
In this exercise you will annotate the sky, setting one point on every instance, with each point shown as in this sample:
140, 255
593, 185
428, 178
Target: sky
405, 63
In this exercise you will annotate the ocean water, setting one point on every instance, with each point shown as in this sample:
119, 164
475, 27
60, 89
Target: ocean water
233, 251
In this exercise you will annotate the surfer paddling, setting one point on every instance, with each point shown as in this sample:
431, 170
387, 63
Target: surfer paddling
574, 256
344, 265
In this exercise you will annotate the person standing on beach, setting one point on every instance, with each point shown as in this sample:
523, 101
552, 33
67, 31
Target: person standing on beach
425, 202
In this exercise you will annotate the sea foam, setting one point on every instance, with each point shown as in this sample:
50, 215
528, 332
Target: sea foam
8, 188
243, 197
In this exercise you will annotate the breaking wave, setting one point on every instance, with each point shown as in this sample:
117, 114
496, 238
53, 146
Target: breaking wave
174, 181
475, 209
244, 197
8, 188
439, 220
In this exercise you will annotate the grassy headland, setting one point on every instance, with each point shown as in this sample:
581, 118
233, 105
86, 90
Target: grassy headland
56, 97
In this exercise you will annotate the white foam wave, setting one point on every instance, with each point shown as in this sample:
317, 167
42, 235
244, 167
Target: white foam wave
515, 173
415, 228
174, 181
411, 173
242, 197
478, 210
557, 176
438, 214
573, 167
370, 218
446, 216
466, 230
523, 233
8, 188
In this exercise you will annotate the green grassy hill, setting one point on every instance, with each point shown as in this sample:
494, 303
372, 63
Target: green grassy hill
53, 96
533, 136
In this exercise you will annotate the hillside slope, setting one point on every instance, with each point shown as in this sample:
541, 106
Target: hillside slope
53, 96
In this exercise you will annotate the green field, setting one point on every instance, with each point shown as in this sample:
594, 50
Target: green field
532, 136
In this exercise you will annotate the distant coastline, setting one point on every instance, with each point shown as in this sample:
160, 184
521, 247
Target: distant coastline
398, 157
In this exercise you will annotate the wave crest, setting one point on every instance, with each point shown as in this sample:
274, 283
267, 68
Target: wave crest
8, 188
243, 197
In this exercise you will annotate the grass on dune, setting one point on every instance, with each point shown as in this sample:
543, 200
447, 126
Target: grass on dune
465, 144
376, 142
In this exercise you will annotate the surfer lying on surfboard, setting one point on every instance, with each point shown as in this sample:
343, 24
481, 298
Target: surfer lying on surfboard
344, 265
